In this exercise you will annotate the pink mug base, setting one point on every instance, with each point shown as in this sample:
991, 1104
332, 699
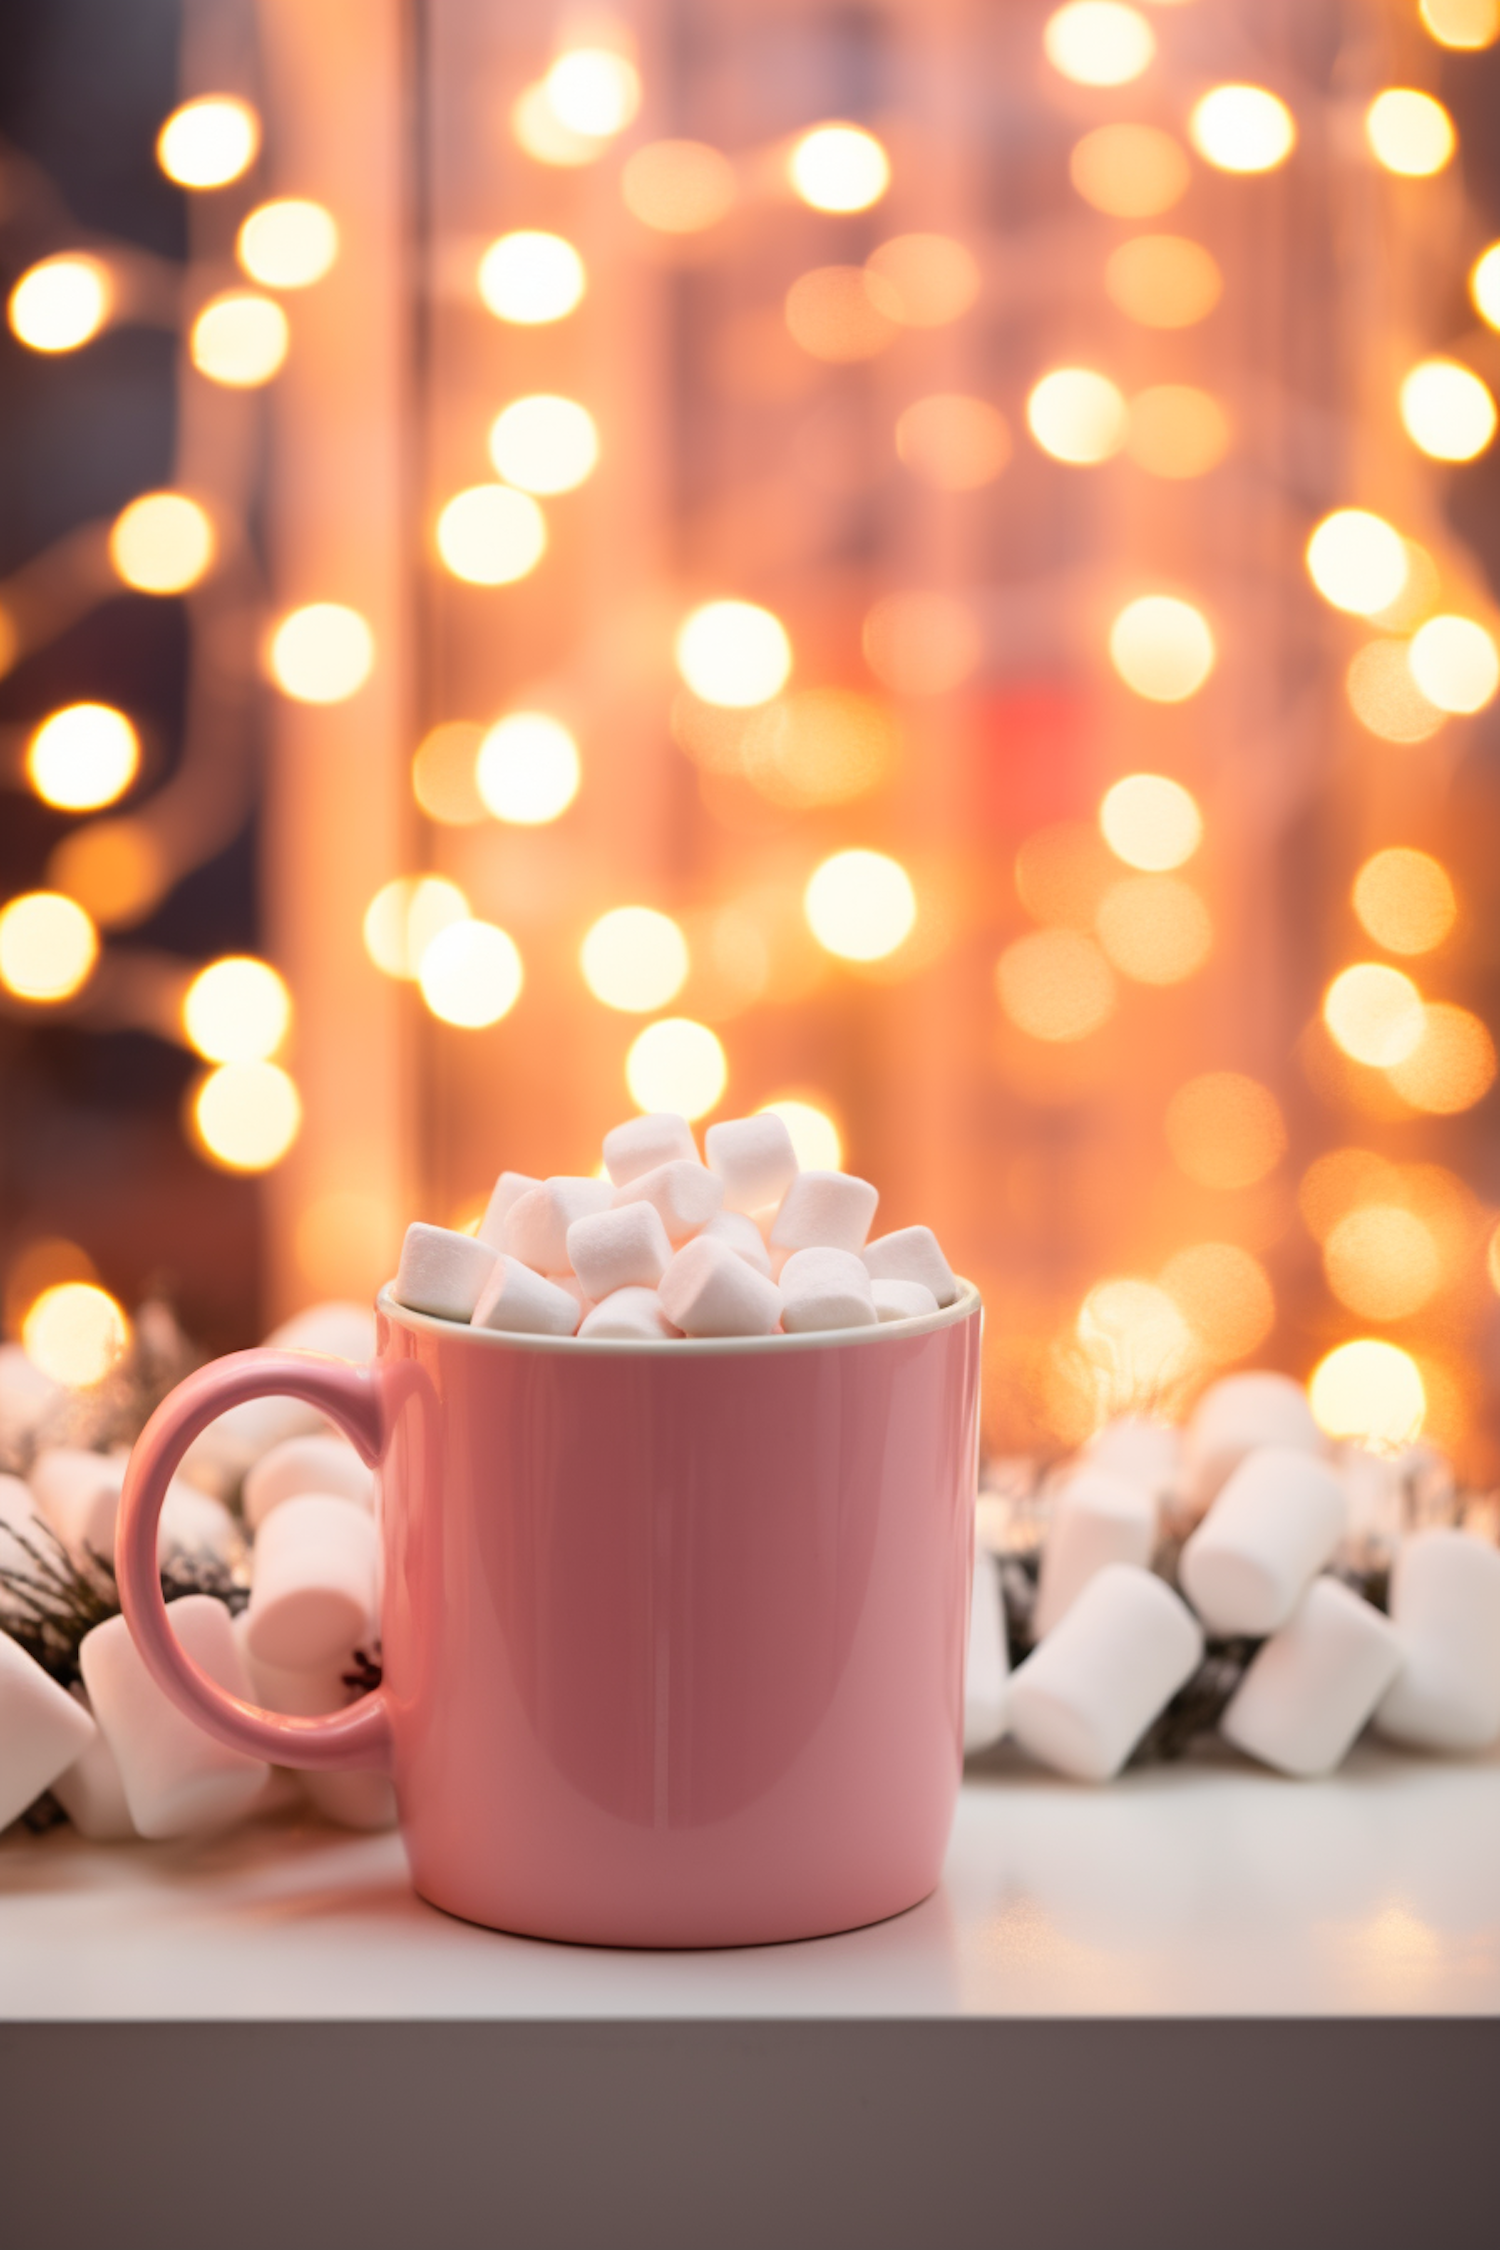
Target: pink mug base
661, 1931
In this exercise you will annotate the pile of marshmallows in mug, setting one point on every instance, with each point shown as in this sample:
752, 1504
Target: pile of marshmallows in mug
1276, 1513
746, 1244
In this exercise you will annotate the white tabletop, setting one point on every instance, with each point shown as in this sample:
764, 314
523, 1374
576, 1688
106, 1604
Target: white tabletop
1208, 1889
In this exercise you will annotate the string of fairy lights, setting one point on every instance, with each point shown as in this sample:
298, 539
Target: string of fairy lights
1114, 907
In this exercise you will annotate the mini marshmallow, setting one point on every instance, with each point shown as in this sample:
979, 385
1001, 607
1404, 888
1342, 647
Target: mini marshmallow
987, 1662
178, 1781
441, 1272
91, 1792
644, 1144
507, 1190
825, 1289
356, 1799
625, 1248
42, 1730
1087, 1693
824, 1211
79, 1494
708, 1291
902, 1300
1275, 1523
754, 1158
524, 1303
20, 1518
633, 1315
1097, 1519
686, 1196
306, 1464
743, 1236
312, 1597
1310, 1689
537, 1223
338, 1329
1145, 1453
912, 1254
1445, 1606
1235, 1416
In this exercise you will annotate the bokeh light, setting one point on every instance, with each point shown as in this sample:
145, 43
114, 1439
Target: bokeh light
1077, 415
1063, 871
1357, 561
491, 536
82, 757
923, 642
594, 91
816, 1140
676, 1064
544, 444
678, 187
1162, 648
48, 946
209, 142
634, 959
822, 746
404, 917
288, 244
530, 278
162, 543
860, 905
1385, 698
1225, 1295
240, 339
1154, 928
322, 653
842, 313
1150, 822
1484, 285
1452, 1065
1177, 431
75, 1332
933, 279
60, 303
1374, 1014
1130, 171
443, 774
1242, 129
1409, 132
734, 654
1098, 43
1055, 985
1381, 1261
1369, 1390
1135, 1343
1454, 663
1163, 281
528, 769
246, 1115
545, 137
1448, 412
236, 1010
116, 869
839, 168
1225, 1130
1465, 24
1340, 1181
470, 974
1405, 900
957, 443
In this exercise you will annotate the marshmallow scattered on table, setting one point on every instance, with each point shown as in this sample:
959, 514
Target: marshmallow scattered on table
987, 1663
912, 1254
91, 1792
824, 1211
1144, 1452
708, 1290
1235, 1416
1097, 1519
1445, 1607
623, 1248
754, 1158
42, 1730
306, 1464
1276, 1521
644, 1144
1310, 1689
508, 1190
178, 1781
743, 1237
1087, 1693
526, 1303
27, 1396
313, 1592
536, 1225
825, 1289
338, 1329
21, 1518
630, 1315
442, 1272
685, 1196
902, 1300
359, 1798
79, 1495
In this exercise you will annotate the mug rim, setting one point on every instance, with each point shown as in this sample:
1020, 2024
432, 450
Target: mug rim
965, 1304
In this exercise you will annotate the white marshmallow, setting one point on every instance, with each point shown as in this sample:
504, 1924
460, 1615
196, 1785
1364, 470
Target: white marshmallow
644, 1144
625, 1248
571, 1286
312, 1597
754, 1158
79, 1494
1310, 1689
1275, 1523
524, 1303
1445, 1606
824, 1211
178, 1781
442, 1272
912, 1254
357, 1799
1087, 1693
825, 1289
708, 1291
630, 1314
987, 1662
91, 1792
902, 1300
537, 1223
743, 1237
42, 1730
306, 1464
217, 1460
684, 1196
27, 1396
1235, 1416
194, 1523
19, 1515
338, 1329
1097, 1519
1145, 1453
507, 1190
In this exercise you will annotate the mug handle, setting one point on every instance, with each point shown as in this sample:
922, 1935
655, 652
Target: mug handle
360, 1735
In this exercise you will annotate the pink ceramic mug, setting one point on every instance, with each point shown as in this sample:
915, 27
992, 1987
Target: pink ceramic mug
673, 1632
